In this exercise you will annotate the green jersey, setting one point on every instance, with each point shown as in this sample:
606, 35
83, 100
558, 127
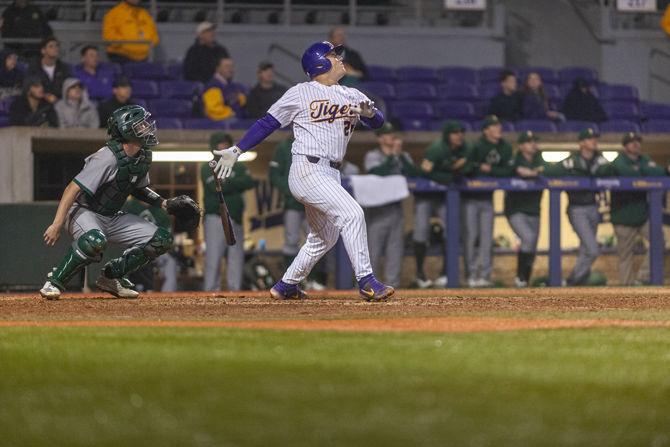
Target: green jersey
577, 166
279, 169
524, 202
233, 188
440, 157
497, 155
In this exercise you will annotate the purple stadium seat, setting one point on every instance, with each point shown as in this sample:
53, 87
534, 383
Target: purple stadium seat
621, 109
455, 110
457, 75
175, 70
139, 102
4, 120
437, 125
5, 103
99, 90
552, 92
145, 70
381, 73
576, 126
415, 90
203, 123
169, 123
535, 126
568, 74
415, 73
491, 74
114, 68
481, 107
489, 91
145, 89
410, 124
412, 109
238, 123
171, 108
656, 126
618, 92
180, 89
654, 110
506, 125
619, 126
548, 75
384, 89
457, 91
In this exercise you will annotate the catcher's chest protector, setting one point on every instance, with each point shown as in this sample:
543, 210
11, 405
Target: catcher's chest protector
111, 196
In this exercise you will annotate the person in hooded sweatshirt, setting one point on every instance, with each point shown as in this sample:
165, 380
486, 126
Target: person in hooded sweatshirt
581, 104
75, 109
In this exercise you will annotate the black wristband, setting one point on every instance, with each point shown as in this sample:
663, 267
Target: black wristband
148, 195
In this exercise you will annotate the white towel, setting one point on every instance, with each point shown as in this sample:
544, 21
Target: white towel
375, 190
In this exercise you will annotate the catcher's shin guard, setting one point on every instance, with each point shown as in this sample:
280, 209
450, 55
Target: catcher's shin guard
85, 250
138, 256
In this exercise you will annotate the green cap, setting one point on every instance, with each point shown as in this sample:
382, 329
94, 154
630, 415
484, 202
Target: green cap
587, 133
490, 120
526, 136
218, 137
630, 136
385, 129
452, 126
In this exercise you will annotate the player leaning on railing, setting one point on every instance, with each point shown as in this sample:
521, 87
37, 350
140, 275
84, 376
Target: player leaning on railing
90, 208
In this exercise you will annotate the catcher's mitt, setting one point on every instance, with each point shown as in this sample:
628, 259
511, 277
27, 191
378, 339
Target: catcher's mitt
186, 212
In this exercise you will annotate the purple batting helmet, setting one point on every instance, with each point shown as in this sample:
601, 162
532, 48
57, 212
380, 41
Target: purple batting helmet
314, 61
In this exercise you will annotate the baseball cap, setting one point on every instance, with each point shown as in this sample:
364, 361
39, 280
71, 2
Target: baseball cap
587, 133
121, 81
204, 26
30, 81
452, 126
264, 65
385, 129
218, 137
490, 120
630, 136
526, 136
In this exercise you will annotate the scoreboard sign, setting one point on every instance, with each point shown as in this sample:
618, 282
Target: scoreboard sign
636, 5
471, 5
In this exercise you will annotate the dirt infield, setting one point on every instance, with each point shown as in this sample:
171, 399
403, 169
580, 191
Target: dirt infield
410, 310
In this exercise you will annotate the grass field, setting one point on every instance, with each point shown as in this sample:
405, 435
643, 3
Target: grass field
185, 385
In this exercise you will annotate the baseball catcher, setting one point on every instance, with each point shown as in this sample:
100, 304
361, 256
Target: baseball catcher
90, 208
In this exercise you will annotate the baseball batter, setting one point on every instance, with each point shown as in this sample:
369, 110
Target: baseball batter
324, 115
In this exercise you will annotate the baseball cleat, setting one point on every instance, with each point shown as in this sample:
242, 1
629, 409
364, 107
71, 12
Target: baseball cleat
115, 287
49, 291
520, 283
285, 291
373, 290
441, 282
424, 283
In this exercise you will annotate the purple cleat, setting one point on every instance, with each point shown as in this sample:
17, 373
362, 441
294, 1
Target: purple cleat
284, 291
373, 290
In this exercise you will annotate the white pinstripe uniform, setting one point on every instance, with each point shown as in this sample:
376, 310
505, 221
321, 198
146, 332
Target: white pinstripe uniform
323, 124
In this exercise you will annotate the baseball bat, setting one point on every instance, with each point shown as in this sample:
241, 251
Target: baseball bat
223, 209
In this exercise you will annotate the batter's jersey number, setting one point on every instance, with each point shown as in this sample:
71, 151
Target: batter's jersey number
348, 127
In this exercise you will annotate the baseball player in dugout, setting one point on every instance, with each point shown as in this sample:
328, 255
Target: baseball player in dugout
444, 160
489, 157
90, 208
582, 206
324, 115
628, 209
215, 244
523, 208
386, 223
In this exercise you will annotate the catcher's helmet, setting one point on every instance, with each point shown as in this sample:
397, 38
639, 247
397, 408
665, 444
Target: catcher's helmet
132, 123
314, 60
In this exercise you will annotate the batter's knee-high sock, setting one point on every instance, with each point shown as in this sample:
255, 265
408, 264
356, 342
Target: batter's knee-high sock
420, 255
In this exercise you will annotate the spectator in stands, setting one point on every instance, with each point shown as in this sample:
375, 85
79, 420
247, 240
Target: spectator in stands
629, 209
506, 105
357, 71
96, 78
490, 156
121, 93
11, 78
265, 92
215, 243
50, 69
31, 108
534, 103
21, 20
222, 98
75, 109
129, 21
203, 56
581, 104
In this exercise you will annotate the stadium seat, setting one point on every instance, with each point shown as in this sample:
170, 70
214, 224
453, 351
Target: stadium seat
384, 89
619, 126
489, 91
506, 125
455, 110
175, 70
139, 102
171, 108
548, 75
656, 126
145, 70
576, 126
144, 89
552, 92
621, 110
415, 91
238, 123
412, 109
654, 110
5, 103
457, 91
203, 124
568, 74
169, 123
4, 120
412, 124
381, 73
535, 126
438, 124
490, 74
180, 89
617, 92
457, 75
415, 73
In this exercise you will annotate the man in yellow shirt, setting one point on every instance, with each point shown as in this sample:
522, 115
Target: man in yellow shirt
223, 98
665, 21
128, 21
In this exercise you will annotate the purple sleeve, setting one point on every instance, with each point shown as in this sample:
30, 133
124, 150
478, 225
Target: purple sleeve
258, 132
376, 121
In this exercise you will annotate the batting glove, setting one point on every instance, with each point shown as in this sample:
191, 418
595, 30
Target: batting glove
228, 157
365, 108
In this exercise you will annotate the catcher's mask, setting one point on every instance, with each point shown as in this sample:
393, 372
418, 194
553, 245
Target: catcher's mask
133, 123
